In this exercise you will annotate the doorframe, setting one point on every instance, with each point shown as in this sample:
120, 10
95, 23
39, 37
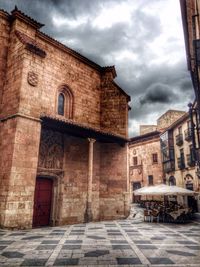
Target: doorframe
56, 201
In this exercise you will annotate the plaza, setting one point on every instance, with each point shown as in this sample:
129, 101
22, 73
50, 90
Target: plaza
111, 243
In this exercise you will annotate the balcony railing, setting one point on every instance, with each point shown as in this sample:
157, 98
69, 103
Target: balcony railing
169, 166
179, 139
188, 134
190, 160
181, 163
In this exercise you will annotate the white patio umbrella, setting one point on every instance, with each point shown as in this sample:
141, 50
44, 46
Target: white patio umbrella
163, 190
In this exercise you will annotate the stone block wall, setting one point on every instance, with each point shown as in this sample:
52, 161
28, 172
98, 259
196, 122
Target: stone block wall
29, 87
4, 42
145, 166
20, 170
168, 118
113, 182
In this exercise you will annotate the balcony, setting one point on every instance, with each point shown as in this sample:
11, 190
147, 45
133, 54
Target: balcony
190, 160
181, 163
179, 139
169, 166
188, 134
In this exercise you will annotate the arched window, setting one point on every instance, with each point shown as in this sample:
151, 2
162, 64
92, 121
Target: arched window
172, 180
61, 104
65, 102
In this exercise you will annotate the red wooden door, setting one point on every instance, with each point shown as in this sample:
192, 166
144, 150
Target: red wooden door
42, 202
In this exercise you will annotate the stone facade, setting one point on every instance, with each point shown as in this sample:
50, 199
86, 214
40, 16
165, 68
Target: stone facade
164, 121
178, 155
83, 151
145, 161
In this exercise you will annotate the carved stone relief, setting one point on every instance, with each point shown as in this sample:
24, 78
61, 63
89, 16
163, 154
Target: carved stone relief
51, 150
32, 78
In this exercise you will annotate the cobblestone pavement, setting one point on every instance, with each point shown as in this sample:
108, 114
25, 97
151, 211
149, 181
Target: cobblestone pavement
115, 243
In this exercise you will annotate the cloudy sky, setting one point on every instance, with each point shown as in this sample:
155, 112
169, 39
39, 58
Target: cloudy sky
142, 38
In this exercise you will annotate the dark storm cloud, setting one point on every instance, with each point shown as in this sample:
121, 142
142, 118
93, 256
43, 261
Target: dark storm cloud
157, 93
154, 88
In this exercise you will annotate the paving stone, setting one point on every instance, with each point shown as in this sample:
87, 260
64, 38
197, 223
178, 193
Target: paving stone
65, 262
96, 237
34, 262
56, 233
158, 238
185, 242
181, 253
121, 247
50, 242
73, 241
160, 261
12, 254
17, 234
46, 247
93, 228
118, 241
147, 247
32, 237
194, 247
59, 231
96, 253
114, 233
71, 247
142, 242
121, 261
6, 242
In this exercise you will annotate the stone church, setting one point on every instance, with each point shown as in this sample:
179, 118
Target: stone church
63, 132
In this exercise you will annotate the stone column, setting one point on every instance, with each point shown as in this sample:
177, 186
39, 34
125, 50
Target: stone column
88, 211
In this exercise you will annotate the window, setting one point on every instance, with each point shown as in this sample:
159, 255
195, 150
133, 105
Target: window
150, 179
135, 162
189, 124
180, 130
65, 102
155, 158
61, 104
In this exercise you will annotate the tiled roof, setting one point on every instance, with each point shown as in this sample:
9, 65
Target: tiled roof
16, 13
144, 137
93, 130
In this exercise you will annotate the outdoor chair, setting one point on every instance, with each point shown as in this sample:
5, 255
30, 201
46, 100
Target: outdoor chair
147, 216
155, 215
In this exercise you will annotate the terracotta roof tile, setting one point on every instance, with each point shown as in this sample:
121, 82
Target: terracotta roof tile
81, 125
16, 13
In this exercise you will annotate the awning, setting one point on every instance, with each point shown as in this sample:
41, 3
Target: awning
163, 190
72, 128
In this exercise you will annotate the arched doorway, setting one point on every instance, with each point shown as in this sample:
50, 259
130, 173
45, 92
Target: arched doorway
42, 201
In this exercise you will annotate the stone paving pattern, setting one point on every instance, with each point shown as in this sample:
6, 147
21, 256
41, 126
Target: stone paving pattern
116, 243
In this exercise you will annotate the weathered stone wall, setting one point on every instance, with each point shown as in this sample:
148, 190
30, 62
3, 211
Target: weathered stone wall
22, 161
113, 182
4, 42
144, 129
114, 108
168, 118
31, 88
145, 167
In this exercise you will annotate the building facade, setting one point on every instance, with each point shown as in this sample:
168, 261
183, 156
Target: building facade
63, 132
145, 162
190, 10
178, 158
